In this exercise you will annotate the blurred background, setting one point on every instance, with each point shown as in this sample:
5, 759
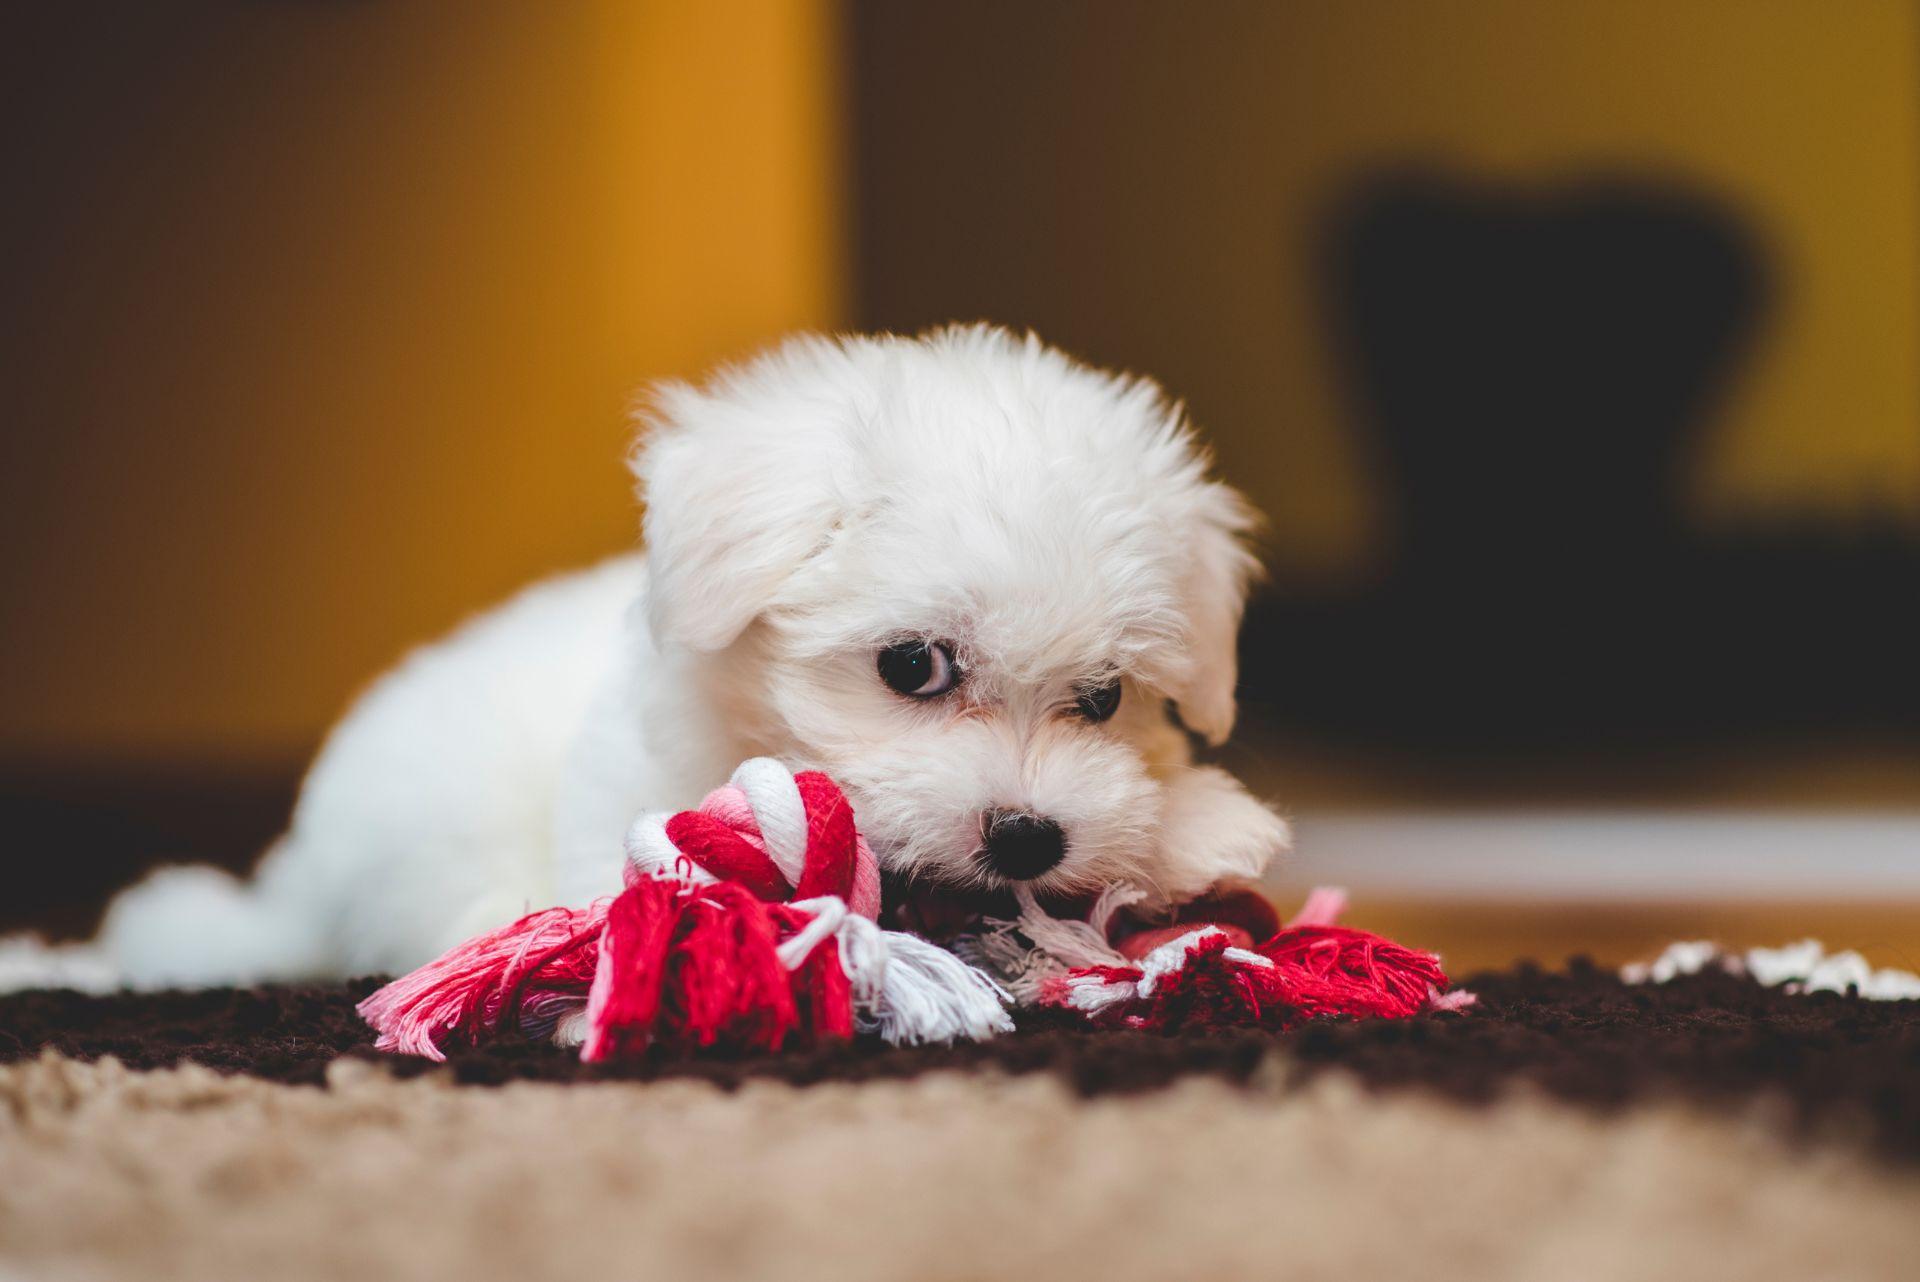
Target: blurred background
1572, 350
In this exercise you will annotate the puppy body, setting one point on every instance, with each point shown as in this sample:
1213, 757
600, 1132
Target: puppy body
1049, 527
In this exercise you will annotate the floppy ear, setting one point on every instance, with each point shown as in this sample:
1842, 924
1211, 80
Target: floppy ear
739, 494
1220, 570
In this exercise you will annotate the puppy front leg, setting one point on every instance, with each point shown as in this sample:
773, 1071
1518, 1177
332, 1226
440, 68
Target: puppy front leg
1214, 830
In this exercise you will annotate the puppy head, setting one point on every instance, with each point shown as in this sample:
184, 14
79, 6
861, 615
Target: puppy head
965, 576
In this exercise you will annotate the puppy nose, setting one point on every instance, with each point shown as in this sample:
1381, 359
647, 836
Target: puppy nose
1019, 845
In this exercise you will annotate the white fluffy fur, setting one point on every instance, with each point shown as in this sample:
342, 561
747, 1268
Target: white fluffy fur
1055, 524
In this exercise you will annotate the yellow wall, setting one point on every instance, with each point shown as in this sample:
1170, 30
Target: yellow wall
331, 321
1805, 117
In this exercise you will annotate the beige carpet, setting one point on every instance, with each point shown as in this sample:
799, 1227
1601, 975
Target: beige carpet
106, 1173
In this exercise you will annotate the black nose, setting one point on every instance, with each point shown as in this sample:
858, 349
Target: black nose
1019, 845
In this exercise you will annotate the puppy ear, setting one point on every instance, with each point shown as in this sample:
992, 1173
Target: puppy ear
1220, 570
738, 490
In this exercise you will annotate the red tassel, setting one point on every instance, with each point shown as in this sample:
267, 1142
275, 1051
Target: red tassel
1336, 970
699, 967
821, 984
623, 1003
725, 984
1304, 972
532, 970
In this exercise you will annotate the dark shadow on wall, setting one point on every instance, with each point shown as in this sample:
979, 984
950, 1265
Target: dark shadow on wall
1532, 370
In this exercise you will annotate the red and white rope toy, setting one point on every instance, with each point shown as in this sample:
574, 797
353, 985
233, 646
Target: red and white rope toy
750, 923
1218, 974
746, 923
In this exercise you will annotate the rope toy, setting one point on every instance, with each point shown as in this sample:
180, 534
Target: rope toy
750, 924
1191, 978
746, 924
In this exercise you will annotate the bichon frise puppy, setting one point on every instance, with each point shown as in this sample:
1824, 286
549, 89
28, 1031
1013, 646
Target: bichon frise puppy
989, 590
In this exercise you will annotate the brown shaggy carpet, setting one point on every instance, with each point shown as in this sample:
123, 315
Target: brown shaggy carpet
1573, 1127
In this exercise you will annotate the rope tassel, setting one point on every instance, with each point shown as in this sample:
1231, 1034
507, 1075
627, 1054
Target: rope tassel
1215, 976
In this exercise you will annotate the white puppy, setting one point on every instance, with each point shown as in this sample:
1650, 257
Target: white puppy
967, 577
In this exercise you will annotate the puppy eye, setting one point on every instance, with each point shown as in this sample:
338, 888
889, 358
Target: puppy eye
919, 669
1099, 702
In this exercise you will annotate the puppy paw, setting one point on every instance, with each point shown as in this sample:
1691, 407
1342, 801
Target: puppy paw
1214, 830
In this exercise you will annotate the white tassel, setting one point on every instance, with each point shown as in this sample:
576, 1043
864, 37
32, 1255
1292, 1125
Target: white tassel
1090, 994
1071, 943
929, 995
1035, 947
863, 956
1109, 902
906, 989
1000, 950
